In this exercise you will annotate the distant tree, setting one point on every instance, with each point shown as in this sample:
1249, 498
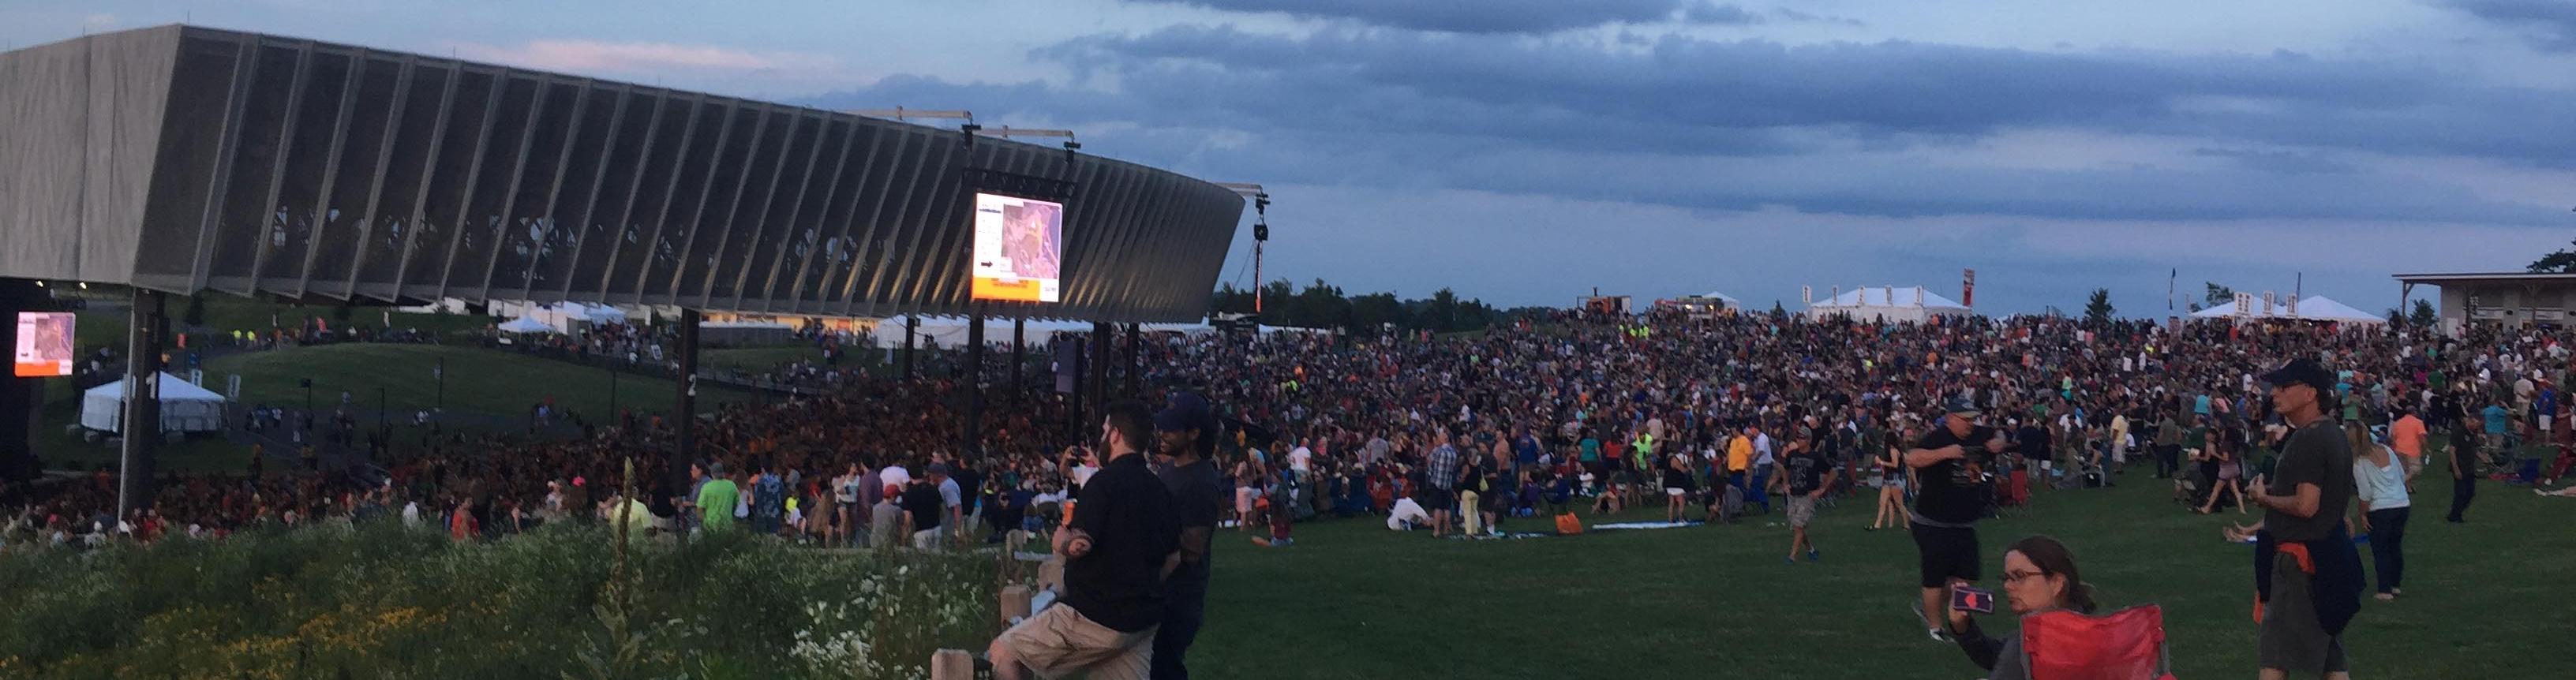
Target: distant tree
2098, 308
340, 313
196, 314
2217, 295
2396, 318
2424, 315
1778, 311
1372, 313
2560, 261
2194, 307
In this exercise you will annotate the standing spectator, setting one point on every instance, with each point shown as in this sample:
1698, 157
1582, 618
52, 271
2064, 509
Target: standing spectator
885, 520
1440, 482
1677, 487
952, 502
768, 500
1950, 496
2305, 603
2464, 472
1185, 434
922, 513
2168, 447
716, 498
846, 497
1119, 548
1808, 473
2380, 482
1891, 485
2406, 436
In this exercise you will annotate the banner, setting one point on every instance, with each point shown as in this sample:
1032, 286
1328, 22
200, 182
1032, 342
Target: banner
1968, 288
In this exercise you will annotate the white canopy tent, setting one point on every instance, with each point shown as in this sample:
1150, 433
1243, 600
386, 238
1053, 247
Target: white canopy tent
1889, 303
526, 324
953, 331
2312, 308
185, 407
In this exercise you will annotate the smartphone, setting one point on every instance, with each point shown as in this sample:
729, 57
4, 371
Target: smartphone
1970, 599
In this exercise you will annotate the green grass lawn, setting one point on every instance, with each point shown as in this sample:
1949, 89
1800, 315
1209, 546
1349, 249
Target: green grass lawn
478, 380
2488, 599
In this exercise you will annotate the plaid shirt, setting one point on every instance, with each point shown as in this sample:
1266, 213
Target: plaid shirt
1443, 468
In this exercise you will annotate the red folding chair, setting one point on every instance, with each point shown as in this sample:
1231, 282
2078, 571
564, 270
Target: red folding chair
2125, 645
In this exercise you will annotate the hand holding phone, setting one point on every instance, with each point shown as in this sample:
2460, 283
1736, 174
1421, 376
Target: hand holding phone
1972, 599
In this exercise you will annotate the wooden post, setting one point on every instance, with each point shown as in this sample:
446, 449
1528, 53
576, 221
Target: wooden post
952, 664
1015, 603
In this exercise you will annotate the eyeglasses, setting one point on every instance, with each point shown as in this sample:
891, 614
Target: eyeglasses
2017, 577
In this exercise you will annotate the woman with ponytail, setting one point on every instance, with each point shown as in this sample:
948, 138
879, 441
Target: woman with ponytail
2039, 576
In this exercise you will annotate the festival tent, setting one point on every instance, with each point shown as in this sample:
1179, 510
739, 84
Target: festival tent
185, 407
526, 324
1889, 303
953, 331
2313, 308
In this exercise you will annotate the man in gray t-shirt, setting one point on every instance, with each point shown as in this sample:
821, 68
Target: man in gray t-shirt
2316, 454
885, 520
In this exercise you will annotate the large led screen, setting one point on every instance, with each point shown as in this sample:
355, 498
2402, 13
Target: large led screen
1019, 248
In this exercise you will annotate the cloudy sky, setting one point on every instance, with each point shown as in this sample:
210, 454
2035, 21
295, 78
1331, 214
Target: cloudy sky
1527, 151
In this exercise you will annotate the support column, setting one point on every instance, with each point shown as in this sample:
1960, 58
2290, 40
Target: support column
1019, 357
21, 399
1135, 364
1074, 361
974, 443
684, 402
141, 424
911, 328
1099, 366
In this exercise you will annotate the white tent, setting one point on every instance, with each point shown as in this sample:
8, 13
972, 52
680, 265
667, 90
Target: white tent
1889, 303
185, 407
952, 332
526, 325
2313, 308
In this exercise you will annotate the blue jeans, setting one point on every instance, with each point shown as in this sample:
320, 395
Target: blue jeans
1756, 494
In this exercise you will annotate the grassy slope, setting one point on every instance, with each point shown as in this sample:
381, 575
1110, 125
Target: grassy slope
478, 380
1353, 600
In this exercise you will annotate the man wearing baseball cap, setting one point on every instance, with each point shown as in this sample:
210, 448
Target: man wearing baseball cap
1949, 465
1185, 435
2308, 576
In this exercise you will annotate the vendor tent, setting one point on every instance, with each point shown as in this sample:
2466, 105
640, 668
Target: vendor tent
185, 407
526, 325
953, 331
1888, 303
2312, 308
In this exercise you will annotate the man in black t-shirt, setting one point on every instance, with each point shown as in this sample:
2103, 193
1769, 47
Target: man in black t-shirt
1121, 544
1950, 496
1806, 471
922, 511
1185, 435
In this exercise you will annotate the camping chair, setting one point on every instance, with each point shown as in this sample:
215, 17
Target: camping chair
2015, 491
2125, 645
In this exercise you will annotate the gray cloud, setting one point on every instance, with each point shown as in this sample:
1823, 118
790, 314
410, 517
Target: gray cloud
1489, 16
1887, 129
2553, 21
1787, 14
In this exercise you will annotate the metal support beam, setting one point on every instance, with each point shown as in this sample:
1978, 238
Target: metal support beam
974, 443
141, 424
911, 329
1019, 356
21, 399
1099, 366
684, 404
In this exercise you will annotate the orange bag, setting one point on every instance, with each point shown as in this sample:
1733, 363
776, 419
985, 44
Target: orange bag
1568, 525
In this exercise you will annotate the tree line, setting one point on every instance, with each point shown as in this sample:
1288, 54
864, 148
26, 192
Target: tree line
1323, 305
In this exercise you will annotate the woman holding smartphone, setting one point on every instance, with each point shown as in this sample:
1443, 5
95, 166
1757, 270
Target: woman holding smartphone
2039, 576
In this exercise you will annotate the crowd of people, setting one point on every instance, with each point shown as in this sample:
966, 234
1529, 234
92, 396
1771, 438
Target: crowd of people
1713, 415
